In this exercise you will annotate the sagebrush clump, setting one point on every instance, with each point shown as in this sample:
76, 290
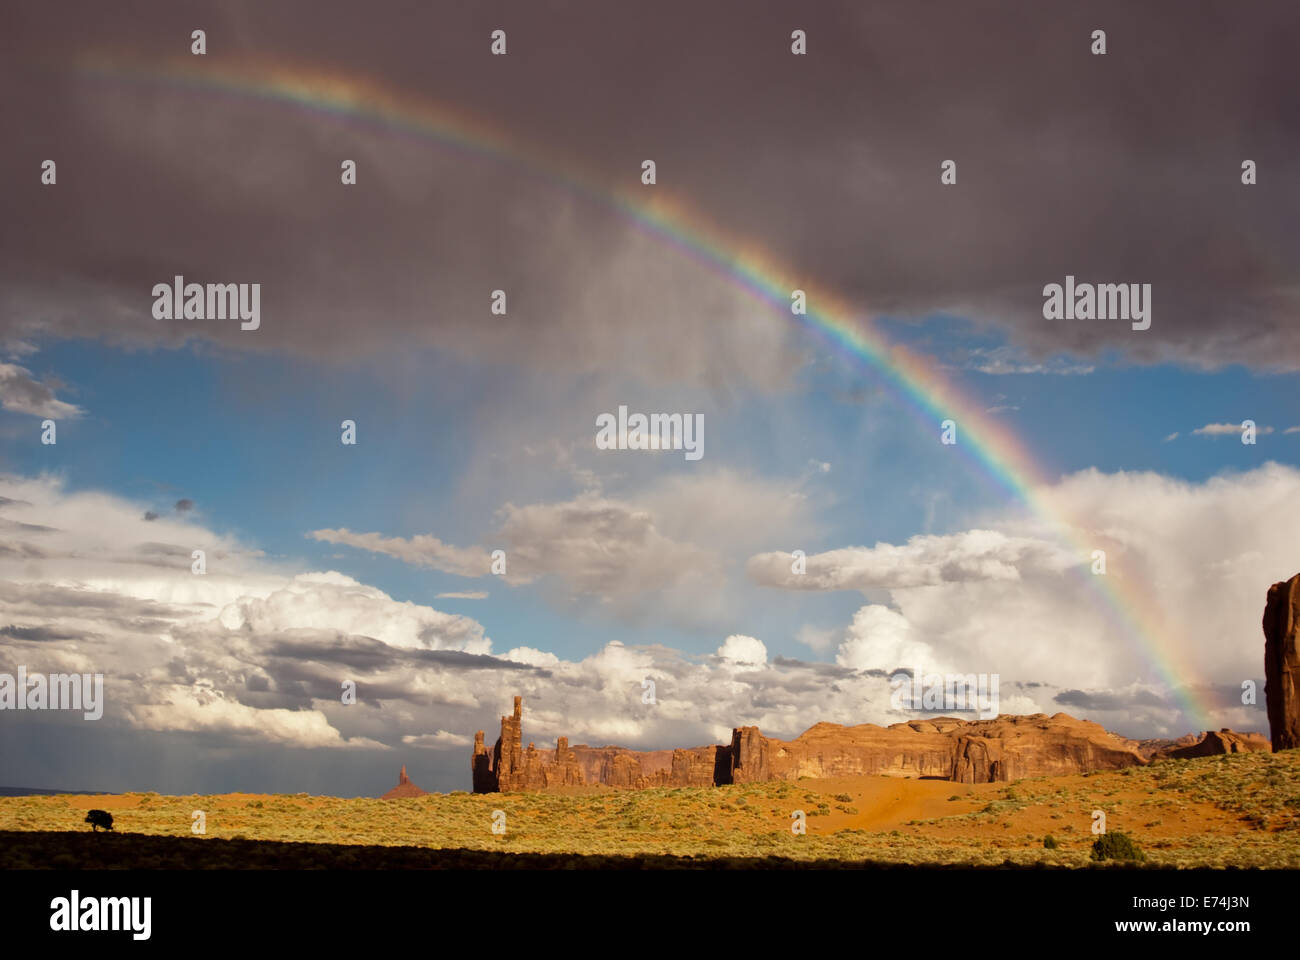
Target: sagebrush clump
1116, 846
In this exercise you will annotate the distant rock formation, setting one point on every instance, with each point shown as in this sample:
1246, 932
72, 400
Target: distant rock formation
510, 767
945, 748
1282, 663
404, 788
1208, 744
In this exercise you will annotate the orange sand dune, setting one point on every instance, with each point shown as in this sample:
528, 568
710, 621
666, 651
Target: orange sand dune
104, 802
891, 803
886, 803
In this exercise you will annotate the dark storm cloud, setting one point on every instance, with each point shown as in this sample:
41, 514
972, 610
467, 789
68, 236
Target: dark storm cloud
1106, 700
48, 600
146, 551
22, 551
369, 653
38, 634
1227, 696
166, 556
1122, 168
292, 668
824, 670
141, 625
14, 526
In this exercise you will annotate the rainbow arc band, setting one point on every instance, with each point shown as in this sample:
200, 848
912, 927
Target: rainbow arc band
919, 383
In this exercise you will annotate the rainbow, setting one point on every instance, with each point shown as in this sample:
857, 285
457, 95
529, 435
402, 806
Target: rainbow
911, 377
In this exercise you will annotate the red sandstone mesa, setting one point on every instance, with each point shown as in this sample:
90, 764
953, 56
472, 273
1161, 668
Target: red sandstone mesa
945, 748
1282, 663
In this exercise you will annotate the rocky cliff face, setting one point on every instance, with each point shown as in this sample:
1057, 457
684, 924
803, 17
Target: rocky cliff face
485, 778
511, 767
1282, 663
945, 748
1206, 744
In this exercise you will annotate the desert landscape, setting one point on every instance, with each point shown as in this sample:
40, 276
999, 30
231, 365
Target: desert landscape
835, 444
1231, 810
1015, 791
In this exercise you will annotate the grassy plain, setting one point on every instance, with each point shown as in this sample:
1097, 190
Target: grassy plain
1238, 810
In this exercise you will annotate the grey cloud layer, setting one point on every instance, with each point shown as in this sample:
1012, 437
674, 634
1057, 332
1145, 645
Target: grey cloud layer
1122, 168
923, 561
666, 546
254, 658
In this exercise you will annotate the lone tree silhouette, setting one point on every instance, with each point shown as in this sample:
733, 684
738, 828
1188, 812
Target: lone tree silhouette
99, 818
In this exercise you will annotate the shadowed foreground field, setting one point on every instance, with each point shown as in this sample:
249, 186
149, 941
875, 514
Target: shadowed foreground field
69, 851
1231, 811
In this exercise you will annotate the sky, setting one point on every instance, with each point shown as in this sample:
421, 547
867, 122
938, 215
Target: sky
370, 562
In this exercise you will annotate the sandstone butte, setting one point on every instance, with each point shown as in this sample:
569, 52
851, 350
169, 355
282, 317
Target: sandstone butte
944, 748
1282, 663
